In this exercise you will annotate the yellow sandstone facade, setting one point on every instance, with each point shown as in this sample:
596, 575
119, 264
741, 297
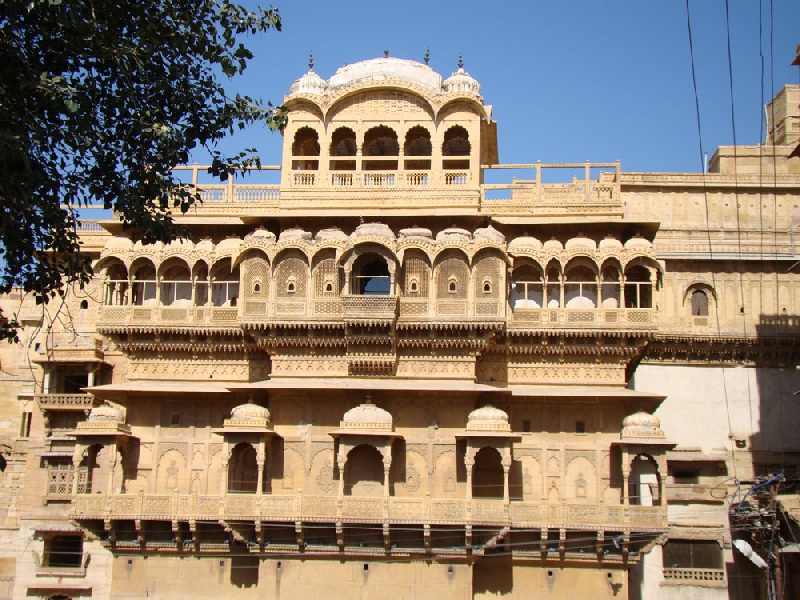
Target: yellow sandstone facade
386, 378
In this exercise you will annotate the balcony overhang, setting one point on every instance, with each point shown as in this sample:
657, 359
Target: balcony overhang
114, 391
358, 384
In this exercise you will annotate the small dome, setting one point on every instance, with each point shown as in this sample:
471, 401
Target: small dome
260, 235
416, 232
374, 229
610, 243
249, 411
580, 243
524, 242
228, 246
488, 233
488, 418
295, 233
460, 81
331, 233
118, 244
453, 234
637, 242
641, 425
106, 413
205, 246
553, 245
367, 416
310, 83
387, 68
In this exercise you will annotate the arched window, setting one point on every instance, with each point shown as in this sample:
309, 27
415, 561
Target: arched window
638, 288
381, 142
553, 285
371, 276
699, 303
144, 283
306, 144
363, 473
487, 474
526, 287
456, 143
224, 284
452, 285
644, 484
176, 284
610, 287
343, 144
243, 469
84, 305
580, 287
116, 284
418, 143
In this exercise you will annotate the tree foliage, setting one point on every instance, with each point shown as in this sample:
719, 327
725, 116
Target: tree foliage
99, 101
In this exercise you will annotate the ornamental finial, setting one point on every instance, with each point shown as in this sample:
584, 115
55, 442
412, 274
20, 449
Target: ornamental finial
310, 61
385, 54
460, 61
427, 55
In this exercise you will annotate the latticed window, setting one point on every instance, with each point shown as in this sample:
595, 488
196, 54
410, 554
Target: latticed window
415, 277
60, 478
487, 277
326, 278
452, 270
256, 278
291, 271
692, 554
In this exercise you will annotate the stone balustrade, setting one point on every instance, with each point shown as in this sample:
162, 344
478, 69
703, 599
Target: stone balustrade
303, 507
369, 307
65, 401
694, 576
590, 318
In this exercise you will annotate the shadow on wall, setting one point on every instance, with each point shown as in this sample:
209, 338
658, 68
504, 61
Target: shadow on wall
493, 576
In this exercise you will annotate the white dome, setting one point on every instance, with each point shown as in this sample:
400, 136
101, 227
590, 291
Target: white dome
641, 425
373, 229
610, 243
204, 246
367, 416
416, 232
524, 242
453, 234
260, 235
488, 233
553, 245
331, 233
250, 411
580, 242
460, 81
637, 242
295, 233
106, 413
310, 83
488, 418
118, 243
381, 69
228, 246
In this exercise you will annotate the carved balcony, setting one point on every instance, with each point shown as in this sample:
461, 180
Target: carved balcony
133, 316
701, 577
302, 507
583, 318
369, 308
65, 401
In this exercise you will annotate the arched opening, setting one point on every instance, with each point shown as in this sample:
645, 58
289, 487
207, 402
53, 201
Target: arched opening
243, 469
144, 283
224, 284
527, 287
363, 472
306, 144
291, 275
116, 284
580, 287
84, 305
456, 143
418, 143
611, 287
487, 474
699, 303
343, 144
452, 276
644, 484
379, 142
200, 277
416, 274
371, 276
553, 287
176, 285
638, 288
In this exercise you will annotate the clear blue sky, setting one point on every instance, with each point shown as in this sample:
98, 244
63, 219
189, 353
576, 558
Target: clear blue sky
569, 80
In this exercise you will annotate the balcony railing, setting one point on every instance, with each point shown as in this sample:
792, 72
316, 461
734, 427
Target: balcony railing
569, 318
694, 576
65, 401
369, 307
301, 507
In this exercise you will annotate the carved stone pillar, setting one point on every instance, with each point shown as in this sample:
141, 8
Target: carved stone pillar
112, 467
469, 462
506, 468
387, 466
77, 456
341, 460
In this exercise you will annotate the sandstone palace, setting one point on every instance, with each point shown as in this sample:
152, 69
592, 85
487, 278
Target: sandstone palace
385, 377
